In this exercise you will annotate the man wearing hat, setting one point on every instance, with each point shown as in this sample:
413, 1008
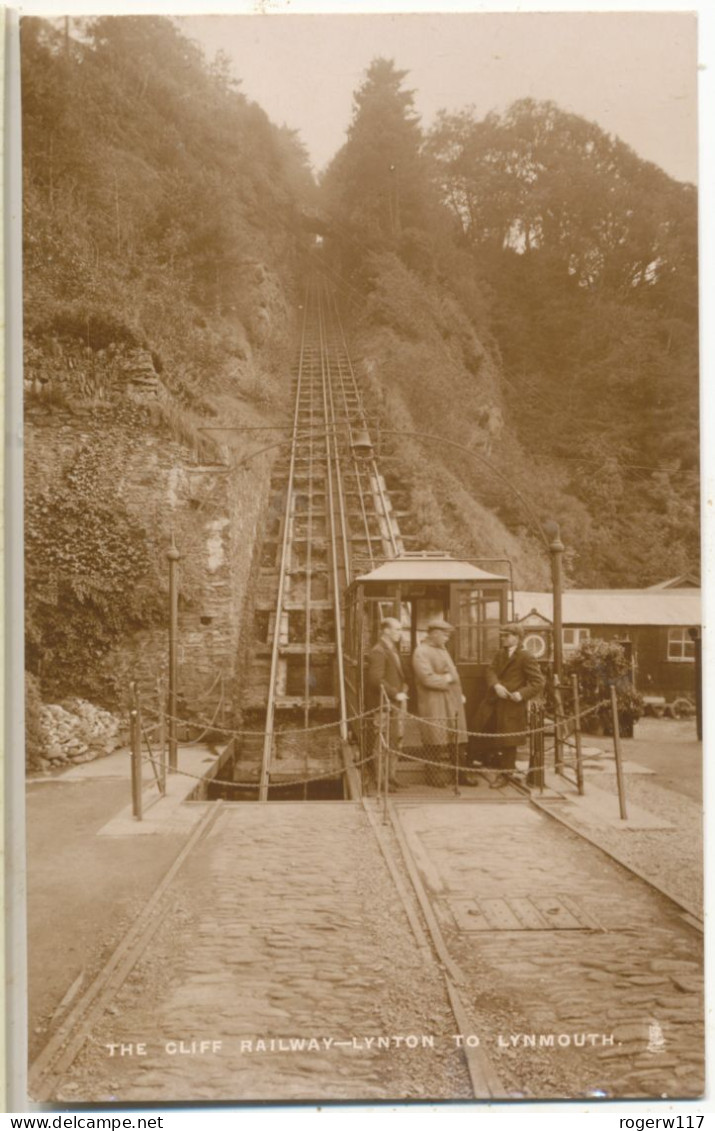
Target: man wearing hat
385, 673
513, 678
440, 702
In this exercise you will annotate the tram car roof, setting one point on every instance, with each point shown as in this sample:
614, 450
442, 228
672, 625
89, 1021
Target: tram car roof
440, 567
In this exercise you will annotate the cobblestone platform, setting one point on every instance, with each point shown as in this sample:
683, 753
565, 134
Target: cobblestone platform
606, 1002
286, 967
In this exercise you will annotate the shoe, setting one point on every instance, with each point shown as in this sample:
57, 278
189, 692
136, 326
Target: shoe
469, 779
500, 781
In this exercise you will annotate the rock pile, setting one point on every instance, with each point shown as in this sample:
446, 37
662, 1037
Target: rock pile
78, 732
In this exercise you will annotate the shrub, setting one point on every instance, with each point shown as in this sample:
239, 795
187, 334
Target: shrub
599, 665
34, 734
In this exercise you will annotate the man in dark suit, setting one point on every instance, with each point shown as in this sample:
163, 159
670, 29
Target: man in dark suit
385, 672
513, 678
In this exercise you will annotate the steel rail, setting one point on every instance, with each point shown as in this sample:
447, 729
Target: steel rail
486, 1082
342, 510
373, 462
374, 477
287, 526
356, 468
309, 557
330, 445
67, 1039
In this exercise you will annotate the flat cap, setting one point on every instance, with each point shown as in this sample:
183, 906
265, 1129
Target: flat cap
513, 628
440, 622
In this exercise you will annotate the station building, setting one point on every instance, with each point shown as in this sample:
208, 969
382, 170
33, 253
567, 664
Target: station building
659, 624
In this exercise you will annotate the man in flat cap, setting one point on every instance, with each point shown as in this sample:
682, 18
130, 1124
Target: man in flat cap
386, 673
440, 702
513, 678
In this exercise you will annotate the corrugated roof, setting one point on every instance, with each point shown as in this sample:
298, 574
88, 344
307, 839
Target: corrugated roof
682, 581
428, 569
616, 606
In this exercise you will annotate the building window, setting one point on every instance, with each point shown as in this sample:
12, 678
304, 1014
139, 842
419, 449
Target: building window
574, 637
681, 648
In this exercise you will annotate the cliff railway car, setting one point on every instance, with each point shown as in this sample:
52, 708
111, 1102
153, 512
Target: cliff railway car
414, 588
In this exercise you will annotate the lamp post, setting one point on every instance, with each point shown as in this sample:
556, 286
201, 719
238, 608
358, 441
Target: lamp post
173, 556
556, 551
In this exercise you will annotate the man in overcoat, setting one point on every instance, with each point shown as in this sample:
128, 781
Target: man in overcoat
513, 678
440, 702
385, 672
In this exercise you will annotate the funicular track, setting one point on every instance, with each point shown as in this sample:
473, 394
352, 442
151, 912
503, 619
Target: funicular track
330, 510
618, 959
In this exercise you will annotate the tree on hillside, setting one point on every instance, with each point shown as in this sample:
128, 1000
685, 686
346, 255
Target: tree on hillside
539, 180
377, 188
140, 159
560, 301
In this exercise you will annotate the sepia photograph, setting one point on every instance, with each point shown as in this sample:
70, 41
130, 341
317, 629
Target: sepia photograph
362, 558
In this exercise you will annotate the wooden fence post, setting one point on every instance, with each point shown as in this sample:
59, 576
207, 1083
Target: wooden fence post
617, 753
577, 733
135, 722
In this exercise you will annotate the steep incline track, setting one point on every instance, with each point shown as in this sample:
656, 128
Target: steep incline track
329, 510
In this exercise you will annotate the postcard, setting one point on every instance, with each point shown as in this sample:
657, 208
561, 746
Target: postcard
362, 581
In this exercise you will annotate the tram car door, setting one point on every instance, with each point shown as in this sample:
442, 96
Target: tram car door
476, 613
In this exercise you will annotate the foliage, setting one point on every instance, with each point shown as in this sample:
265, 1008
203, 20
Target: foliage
89, 577
378, 187
34, 734
152, 186
600, 665
542, 313
539, 179
162, 230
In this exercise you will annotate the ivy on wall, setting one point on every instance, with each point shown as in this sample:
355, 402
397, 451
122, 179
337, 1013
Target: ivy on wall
89, 572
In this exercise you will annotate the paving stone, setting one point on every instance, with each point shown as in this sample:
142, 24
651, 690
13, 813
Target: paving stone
329, 952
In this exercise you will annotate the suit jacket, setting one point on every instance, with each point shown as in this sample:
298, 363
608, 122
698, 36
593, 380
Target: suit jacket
384, 670
518, 672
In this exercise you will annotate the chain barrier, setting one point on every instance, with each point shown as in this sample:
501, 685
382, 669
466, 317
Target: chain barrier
439, 724
255, 784
206, 728
443, 726
254, 733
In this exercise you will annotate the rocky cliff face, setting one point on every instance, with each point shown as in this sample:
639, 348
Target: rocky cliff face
116, 464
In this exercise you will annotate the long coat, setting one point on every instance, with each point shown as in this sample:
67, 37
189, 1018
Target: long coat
518, 672
439, 703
